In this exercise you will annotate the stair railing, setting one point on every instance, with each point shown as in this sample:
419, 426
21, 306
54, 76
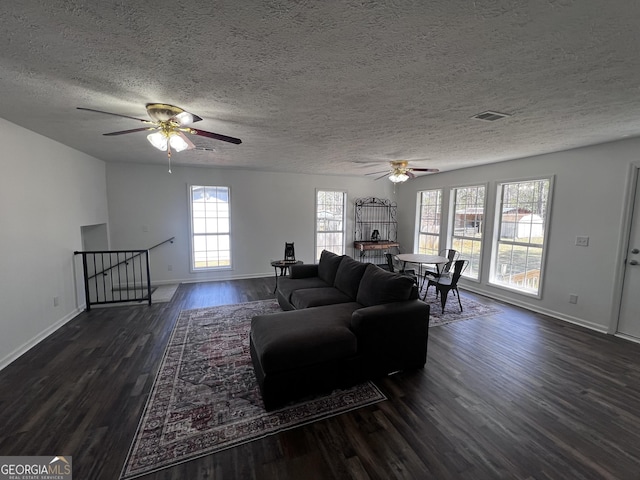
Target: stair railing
116, 276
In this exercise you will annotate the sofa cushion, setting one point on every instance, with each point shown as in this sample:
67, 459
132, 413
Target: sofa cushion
379, 286
328, 266
349, 275
299, 338
303, 270
316, 297
286, 285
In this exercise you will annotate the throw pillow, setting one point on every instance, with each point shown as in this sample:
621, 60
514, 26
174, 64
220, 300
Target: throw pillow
379, 286
349, 275
328, 266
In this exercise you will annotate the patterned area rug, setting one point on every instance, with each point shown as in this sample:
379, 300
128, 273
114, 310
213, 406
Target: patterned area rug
205, 397
470, 309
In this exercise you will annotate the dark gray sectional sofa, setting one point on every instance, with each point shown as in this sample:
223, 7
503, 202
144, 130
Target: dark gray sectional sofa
344, 322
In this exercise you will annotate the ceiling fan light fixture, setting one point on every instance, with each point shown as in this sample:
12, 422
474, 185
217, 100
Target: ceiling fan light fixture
184, 118
398, 177
177, 142
158, 140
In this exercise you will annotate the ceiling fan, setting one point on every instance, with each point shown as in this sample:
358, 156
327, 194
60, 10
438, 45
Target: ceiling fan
168, 126
400, 171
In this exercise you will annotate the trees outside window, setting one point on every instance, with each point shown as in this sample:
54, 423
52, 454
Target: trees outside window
467, 226
210, 227
330, 221
521, 228
429, 213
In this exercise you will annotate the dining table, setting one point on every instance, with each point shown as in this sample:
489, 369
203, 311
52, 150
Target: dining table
421, 259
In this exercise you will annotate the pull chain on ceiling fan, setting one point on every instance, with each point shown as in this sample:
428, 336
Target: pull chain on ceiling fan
168, 125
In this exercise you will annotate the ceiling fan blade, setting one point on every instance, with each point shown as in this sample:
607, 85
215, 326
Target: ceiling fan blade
432, 170
189, 142
410, 174
382, 176
122, 132
378, 173
217, 136
114, 114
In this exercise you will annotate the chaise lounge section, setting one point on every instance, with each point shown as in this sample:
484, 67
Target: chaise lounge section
343, 322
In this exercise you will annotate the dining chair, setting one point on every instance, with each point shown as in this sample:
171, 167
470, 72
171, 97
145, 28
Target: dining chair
393, 264
444, 285
440, 271
444, 270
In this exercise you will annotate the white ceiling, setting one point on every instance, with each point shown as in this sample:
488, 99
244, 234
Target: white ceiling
316, 86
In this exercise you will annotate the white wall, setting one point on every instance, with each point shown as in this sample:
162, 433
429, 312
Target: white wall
47, 192
588, 199
148, 205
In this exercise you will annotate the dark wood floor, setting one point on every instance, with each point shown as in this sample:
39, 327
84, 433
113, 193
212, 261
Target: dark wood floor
512, 396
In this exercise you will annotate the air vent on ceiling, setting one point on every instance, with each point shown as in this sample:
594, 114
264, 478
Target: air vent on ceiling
490, 116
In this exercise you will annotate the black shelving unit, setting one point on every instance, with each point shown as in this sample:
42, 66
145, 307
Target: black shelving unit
375, 214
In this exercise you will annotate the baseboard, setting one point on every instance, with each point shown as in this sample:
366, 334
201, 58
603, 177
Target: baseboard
627, 337
51, 329
22, 349
225, 278
137, 286
165, 282
544, 311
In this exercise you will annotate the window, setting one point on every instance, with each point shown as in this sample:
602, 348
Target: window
330, 221
429, 211
467, 205
521, 224
210, 230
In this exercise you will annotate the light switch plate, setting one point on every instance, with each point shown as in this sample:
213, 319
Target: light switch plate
582, 241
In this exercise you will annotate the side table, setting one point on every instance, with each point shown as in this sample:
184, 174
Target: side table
283, 265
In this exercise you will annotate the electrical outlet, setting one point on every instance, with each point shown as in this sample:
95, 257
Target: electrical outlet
582, 241
56, 301
170, 267
573, 298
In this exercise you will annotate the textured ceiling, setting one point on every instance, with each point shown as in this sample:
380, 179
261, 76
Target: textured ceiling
318, 86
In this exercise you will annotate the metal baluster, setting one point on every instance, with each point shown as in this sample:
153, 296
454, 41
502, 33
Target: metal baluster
146, 256
118, 271
142, 297
113, 295
95, 277
102, 280
142, 288
126, 274
133, 272
86, 281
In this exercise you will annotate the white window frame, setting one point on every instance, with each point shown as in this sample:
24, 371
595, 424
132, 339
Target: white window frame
470, 273
195, 234
319, 246
497, 240
419, 233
